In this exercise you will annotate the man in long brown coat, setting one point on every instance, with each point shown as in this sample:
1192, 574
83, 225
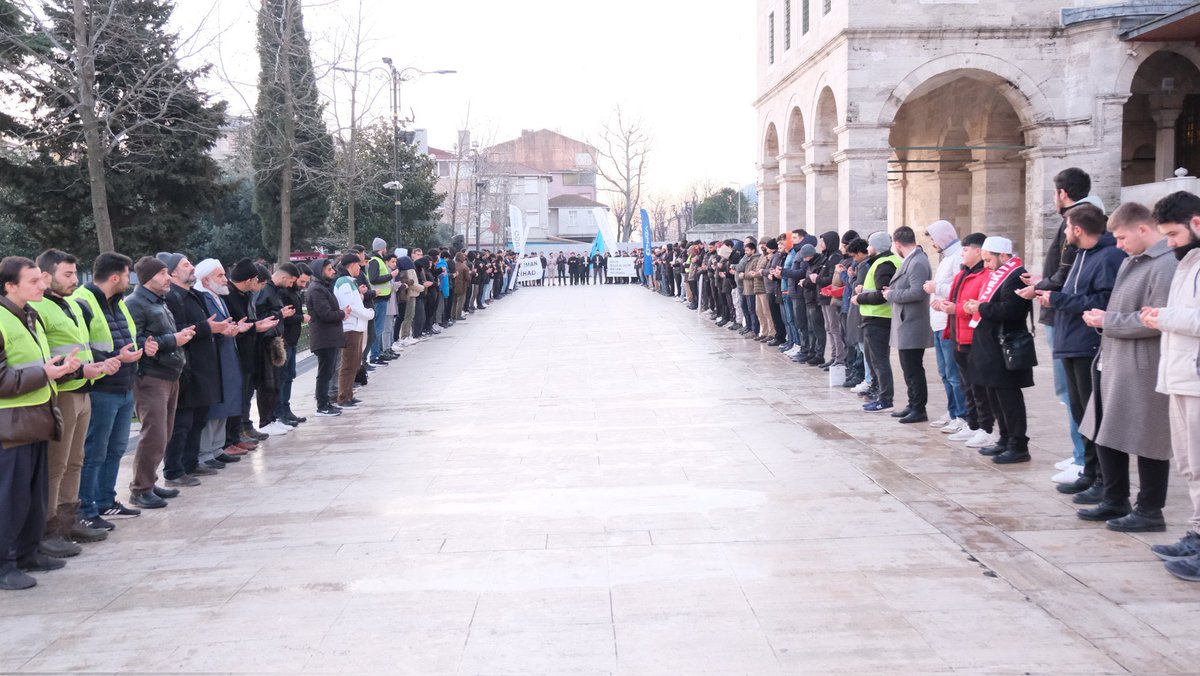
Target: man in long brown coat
1124, 377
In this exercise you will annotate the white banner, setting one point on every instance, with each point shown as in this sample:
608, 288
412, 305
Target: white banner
529, 269
624, 266
518, 235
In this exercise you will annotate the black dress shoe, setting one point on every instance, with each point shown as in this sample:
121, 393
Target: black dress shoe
213, 464
902, 412
1105, 510
1011, 456
39, 563
915, 417
994, 450
166, 493
228, 459
1077, 486
1139, 521
1092, 496
147, 500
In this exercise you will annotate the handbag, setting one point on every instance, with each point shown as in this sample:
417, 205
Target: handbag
1020, 352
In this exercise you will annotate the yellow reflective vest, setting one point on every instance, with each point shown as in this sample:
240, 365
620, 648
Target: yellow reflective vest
22, 350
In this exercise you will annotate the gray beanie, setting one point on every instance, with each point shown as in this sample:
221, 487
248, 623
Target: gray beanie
880, 241
377, 244
171, 260
808, 251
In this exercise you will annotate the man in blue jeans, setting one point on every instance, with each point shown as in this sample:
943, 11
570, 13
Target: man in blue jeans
945, 240
380, 276
112, 333
1071, 188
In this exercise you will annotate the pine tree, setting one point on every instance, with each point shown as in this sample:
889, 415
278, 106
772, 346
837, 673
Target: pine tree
124, 160
293, 150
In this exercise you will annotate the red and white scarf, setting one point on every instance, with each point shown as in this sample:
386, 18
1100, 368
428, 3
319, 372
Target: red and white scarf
996, 280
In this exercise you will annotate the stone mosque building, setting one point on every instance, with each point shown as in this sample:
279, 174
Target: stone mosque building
874, 114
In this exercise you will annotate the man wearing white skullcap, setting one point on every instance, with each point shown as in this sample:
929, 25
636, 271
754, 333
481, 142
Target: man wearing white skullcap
999, 311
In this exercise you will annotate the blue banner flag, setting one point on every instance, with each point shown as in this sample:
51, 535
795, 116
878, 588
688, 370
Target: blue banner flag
647, 264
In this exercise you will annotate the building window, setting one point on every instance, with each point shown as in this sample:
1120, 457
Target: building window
804, 17
583, 178
531, 185
771, 38
533, 219
828, 6
787, 24
463, 200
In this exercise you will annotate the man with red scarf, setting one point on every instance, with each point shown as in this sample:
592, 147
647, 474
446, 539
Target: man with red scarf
1000, 311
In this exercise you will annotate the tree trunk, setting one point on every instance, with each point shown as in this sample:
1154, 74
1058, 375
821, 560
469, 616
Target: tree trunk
352, 175
97, 183
289, 139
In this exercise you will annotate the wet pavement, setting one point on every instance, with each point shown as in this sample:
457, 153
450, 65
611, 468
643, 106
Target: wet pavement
594, 480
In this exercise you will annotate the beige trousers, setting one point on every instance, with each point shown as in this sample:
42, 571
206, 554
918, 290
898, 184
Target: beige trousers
762, 304
1185, 442
65, 457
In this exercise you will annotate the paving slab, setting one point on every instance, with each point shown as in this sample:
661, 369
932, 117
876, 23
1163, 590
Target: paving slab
595, 480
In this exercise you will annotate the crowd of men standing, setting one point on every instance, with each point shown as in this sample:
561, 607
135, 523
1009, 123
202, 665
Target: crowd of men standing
1119, 299
188, 352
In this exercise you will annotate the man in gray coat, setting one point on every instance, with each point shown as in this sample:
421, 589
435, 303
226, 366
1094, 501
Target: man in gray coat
1123, 379
911, 332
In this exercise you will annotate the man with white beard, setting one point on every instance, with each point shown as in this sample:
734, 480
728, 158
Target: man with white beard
213, 286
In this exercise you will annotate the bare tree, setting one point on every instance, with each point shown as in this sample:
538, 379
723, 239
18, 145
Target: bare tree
660, 213
350, 48
624, 146
58, 59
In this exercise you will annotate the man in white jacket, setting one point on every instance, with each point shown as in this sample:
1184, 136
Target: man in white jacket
349, 294
1178, 217
945, 240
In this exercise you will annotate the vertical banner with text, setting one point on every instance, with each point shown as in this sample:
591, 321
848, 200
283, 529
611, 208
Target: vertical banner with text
647, 263
518, 234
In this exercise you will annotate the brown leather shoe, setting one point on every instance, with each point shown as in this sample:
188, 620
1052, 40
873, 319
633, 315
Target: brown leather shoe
246, 446
235, 450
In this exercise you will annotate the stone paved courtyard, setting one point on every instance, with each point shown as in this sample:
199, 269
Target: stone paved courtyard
594, 480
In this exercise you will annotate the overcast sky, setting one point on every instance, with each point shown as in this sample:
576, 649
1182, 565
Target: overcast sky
685, 67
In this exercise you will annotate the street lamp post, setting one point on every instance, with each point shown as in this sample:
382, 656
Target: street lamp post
480, 186
737, 197
400, 76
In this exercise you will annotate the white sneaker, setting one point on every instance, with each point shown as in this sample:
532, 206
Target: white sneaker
965, 434
980, 439
397, 346
408, 342
940, 422
1065, 463
860, 388
793, 352
276, 429
1068, 475
956, 425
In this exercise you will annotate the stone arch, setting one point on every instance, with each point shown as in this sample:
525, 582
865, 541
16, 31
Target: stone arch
957, 141
1142, 53
1161, 111
793, 192
1021, 91
768, 186
796, 134
770, 156
825, 117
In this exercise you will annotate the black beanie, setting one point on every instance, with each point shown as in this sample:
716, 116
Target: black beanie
147, 267
243, 270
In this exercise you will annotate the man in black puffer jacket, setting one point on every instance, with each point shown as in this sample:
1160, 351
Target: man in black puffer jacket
326, 337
